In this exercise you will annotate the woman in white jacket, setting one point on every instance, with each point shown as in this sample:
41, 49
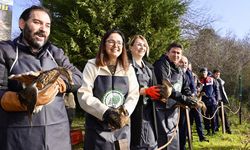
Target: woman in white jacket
108, 83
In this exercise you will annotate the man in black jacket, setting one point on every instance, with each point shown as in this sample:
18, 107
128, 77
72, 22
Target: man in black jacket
166, 68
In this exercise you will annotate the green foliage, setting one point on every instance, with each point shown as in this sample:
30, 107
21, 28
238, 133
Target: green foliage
79, 25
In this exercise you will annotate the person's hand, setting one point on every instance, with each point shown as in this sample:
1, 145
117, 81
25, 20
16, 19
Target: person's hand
112, 117
116, 117
197, 102
153, 92
191, 101
48, 94
16, 101
31, 94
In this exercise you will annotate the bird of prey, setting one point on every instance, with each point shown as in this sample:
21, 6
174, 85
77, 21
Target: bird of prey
35, 82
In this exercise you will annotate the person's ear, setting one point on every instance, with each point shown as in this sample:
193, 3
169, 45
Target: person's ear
21, 24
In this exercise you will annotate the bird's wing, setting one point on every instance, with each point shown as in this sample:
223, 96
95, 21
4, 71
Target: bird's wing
25, 78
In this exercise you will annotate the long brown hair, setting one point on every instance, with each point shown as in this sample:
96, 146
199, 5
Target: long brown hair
102, 56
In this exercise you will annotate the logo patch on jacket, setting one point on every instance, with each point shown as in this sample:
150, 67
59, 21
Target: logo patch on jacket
113, 98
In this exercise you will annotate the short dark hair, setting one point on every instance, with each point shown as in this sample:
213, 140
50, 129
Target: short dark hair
174, 44
26, 13
203, 69
216, 70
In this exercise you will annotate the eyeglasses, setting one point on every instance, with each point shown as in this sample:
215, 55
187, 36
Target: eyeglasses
112, 42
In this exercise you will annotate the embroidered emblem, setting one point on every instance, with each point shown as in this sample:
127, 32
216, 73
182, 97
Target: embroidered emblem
113, 98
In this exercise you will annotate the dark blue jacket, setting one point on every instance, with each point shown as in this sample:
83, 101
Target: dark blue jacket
190, 79
210, 87
165, 69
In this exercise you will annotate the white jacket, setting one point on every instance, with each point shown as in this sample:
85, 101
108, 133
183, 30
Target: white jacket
95, 106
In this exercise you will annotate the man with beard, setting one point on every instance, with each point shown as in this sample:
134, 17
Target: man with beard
29, 54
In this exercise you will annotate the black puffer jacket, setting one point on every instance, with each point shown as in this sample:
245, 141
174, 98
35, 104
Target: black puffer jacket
165, 69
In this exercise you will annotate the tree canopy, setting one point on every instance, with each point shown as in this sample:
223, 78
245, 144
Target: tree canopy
78, 25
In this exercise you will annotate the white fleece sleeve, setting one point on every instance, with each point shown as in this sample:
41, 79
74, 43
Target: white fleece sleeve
87, 101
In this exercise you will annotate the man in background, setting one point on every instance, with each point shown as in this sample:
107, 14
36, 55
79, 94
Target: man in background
210, 87
223, 98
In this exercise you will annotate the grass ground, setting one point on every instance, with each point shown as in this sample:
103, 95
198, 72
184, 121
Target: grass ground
238, 140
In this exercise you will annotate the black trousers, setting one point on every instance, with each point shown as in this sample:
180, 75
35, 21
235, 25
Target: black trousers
210, 123
219, 114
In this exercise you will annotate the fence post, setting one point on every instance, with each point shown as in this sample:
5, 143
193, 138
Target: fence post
222, 117
240, 96
189, 129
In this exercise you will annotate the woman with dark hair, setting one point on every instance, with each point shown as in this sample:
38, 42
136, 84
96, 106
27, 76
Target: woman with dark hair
109, 83
143, 119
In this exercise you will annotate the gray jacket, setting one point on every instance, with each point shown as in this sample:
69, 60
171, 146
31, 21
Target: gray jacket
50, 126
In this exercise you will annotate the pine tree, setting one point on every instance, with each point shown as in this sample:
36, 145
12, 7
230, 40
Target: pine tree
78, 25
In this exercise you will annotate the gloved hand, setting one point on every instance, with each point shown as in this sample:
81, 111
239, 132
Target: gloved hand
42, 79
15, 101
191, 101
112, 117
153, 92
48, 94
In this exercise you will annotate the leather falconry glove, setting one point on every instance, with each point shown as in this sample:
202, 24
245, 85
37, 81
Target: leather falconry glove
153, 92
39, 89
12, 101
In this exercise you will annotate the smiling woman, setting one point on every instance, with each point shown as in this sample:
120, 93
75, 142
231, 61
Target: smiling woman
109, 84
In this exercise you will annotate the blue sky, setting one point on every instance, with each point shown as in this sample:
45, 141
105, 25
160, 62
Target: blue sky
231, 15
18, 7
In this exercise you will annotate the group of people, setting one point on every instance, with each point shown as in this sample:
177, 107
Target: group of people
117, 77
215, 95
211, 84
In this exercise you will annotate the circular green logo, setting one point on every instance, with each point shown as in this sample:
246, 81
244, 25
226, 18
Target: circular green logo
113, 98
